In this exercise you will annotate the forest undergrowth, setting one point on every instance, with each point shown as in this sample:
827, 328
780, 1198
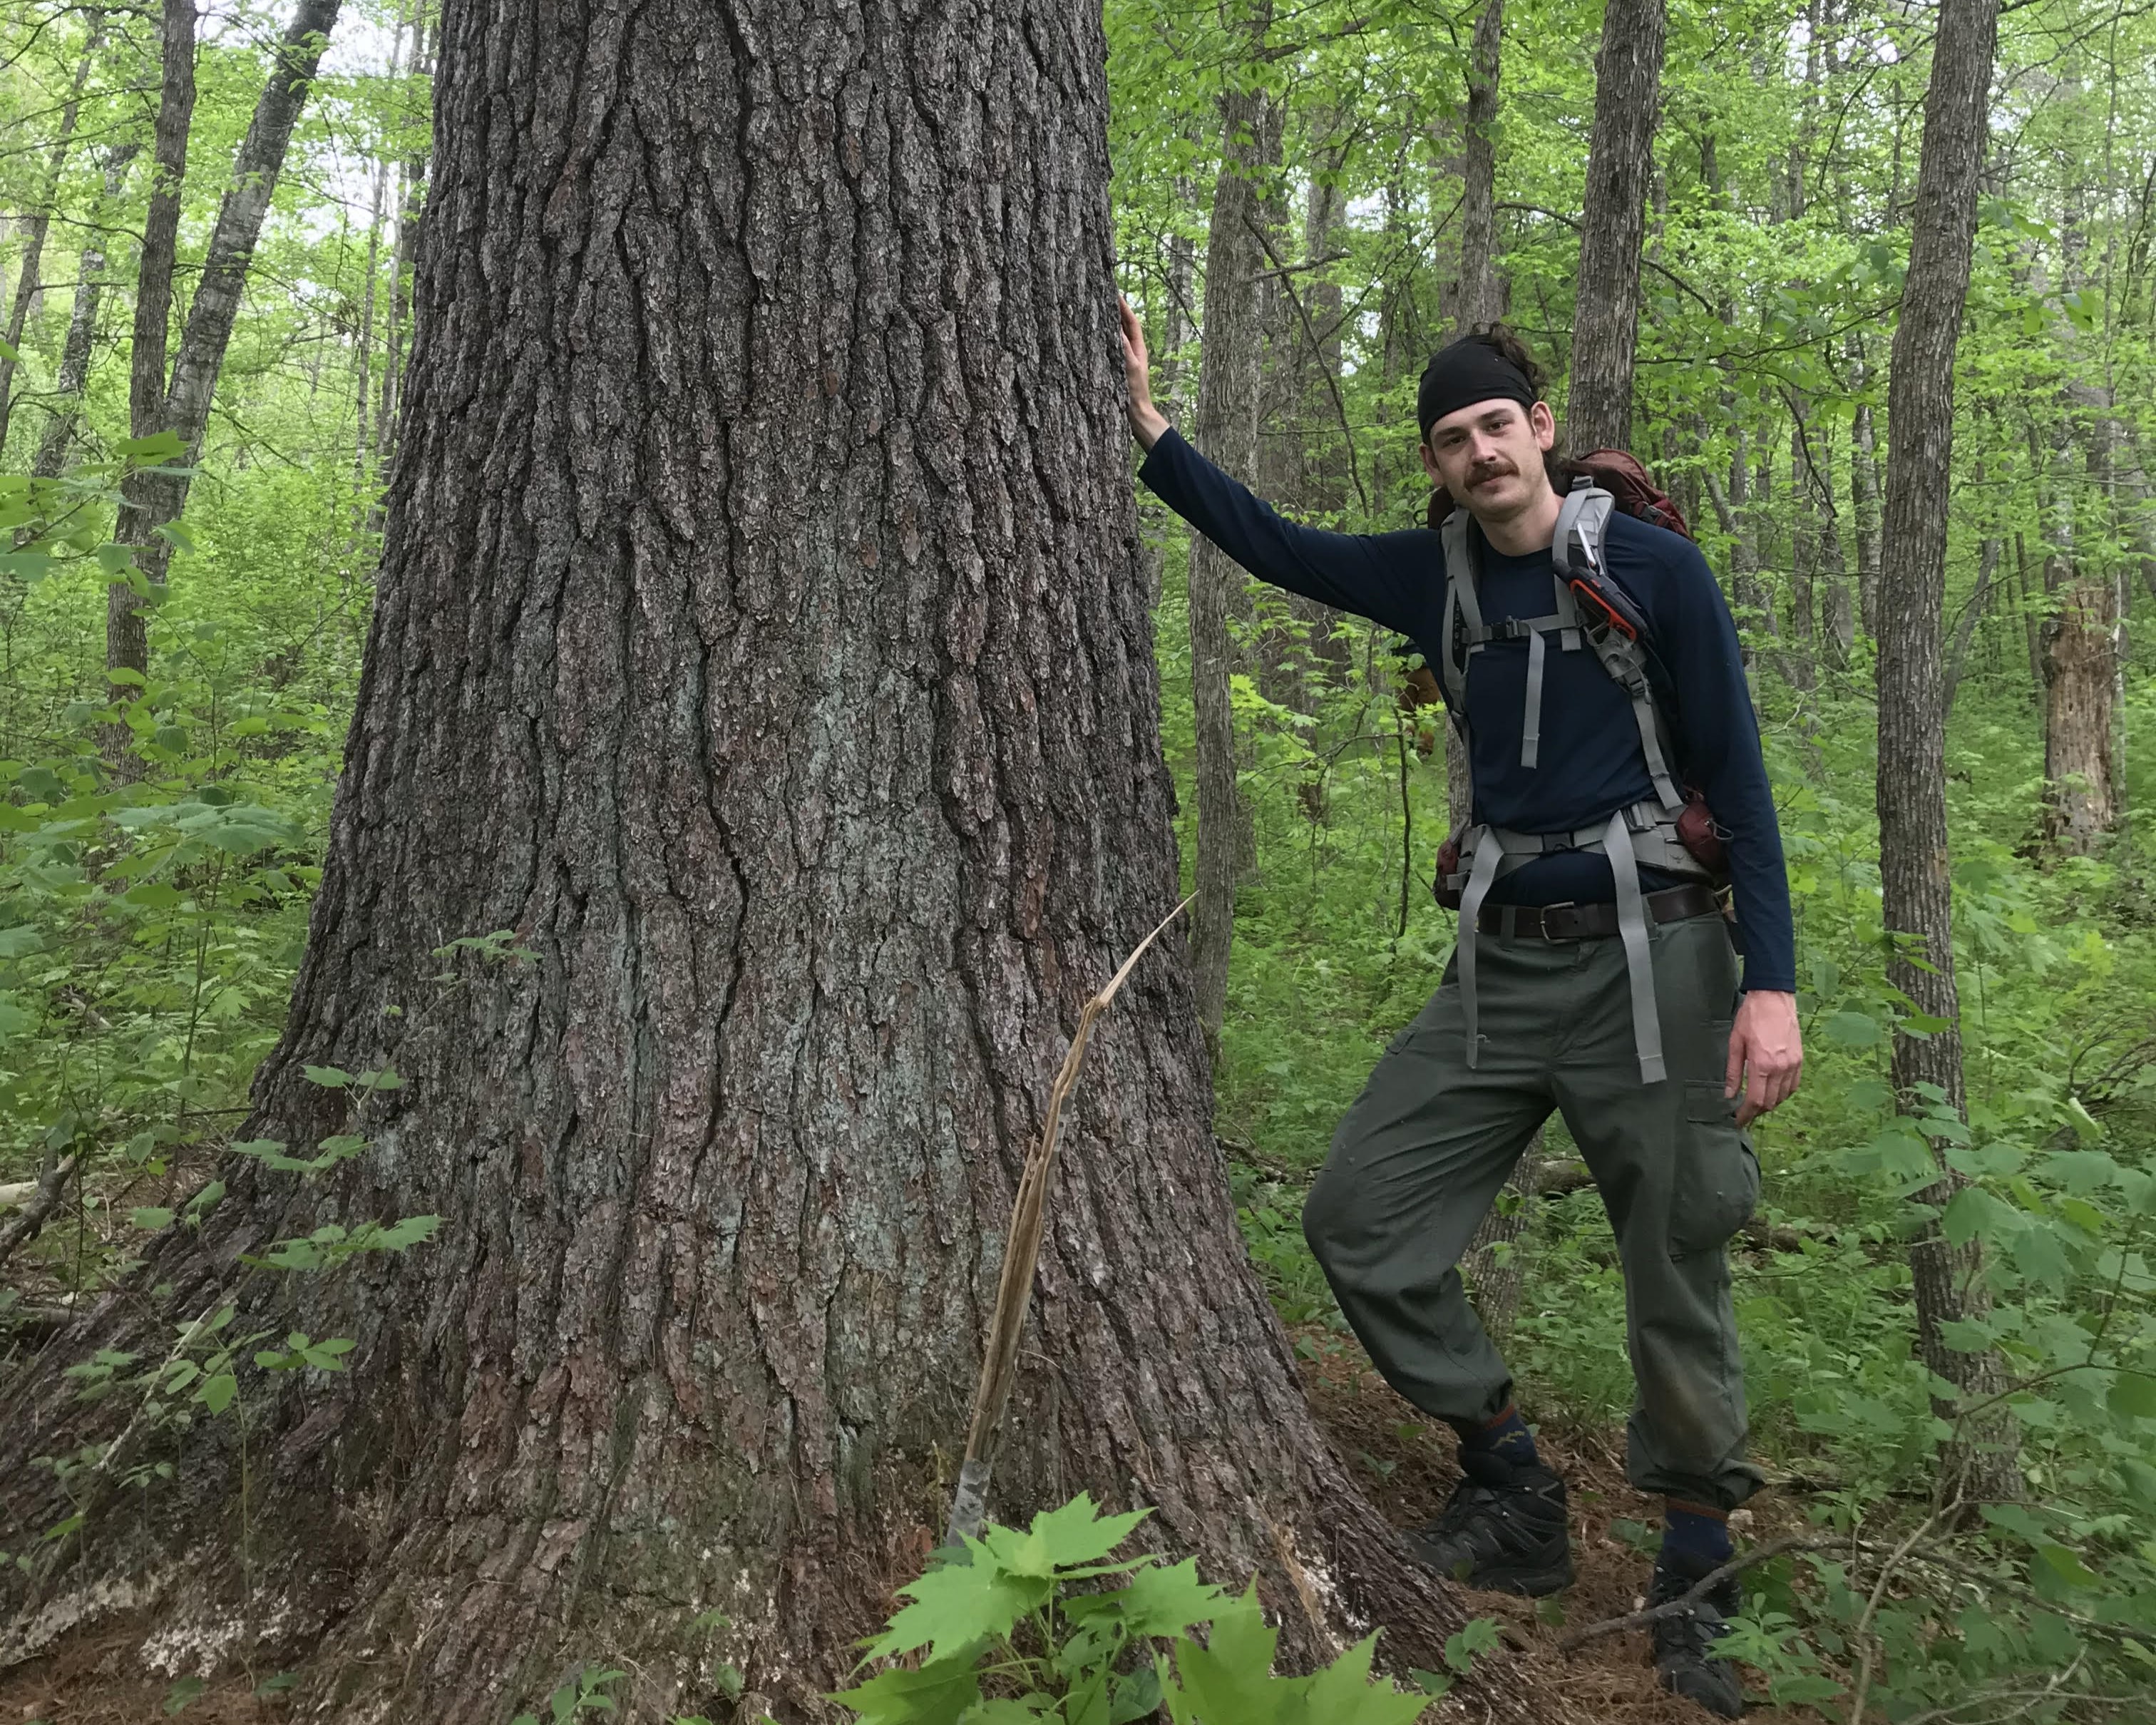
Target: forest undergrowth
151, 916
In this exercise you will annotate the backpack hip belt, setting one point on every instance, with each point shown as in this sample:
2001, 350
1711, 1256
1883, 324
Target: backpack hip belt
1644, 833
1652, 834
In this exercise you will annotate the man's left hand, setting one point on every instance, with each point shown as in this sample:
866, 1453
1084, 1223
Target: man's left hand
1766, 1054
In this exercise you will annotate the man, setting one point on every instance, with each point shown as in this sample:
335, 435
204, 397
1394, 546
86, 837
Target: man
1600, 976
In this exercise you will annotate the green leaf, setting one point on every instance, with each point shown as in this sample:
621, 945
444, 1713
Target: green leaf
1342, 1693
2134, 1395
935, 1695
1165, 1602
182, 1694
1061, 1539
151, 1217
1136, 1697
958, 1604
1231, 1677
329, 1077
1479, 1636
1974, 1212
1853, 1029
2068, 1566
148, 451
216, 1393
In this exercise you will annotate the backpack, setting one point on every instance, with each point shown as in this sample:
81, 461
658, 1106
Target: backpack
1673, 831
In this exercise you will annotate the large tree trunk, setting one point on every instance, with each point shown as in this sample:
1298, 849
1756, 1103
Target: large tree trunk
1917, 886
761, 637
1226, 429
39, 221
155, 497
1628, 75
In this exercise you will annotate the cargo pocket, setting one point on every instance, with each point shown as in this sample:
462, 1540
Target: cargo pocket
1717, 1173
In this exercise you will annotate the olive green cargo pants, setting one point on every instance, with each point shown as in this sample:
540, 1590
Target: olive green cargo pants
1418, 1160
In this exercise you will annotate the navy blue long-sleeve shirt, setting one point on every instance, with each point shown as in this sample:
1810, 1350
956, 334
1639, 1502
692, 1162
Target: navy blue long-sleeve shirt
1591, 763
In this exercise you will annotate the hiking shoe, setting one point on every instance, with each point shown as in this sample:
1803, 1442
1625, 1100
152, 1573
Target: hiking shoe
1504, 1529
1682, 1664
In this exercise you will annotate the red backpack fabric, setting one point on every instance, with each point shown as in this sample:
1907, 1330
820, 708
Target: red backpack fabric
1620, 475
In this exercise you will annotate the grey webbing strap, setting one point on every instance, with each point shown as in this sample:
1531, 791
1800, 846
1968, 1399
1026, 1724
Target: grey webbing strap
1650, 744
1487, 852
1531, 726
1638, 961
1565, 619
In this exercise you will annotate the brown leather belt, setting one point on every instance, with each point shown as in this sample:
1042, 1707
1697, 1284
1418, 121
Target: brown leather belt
1571, 922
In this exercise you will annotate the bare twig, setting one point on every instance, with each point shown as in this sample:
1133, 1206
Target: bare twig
1654, 1613
1870, 1609
42, 1204
1021, 1253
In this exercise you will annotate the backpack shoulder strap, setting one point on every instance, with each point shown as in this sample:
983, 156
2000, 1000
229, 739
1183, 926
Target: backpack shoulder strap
1465, 631
1577, 545
1576, 549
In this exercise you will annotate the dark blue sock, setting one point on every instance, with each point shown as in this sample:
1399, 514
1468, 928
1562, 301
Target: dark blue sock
1698, 1535
1506, 1437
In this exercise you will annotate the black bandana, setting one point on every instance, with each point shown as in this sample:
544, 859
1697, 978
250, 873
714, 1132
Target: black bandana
1464, 374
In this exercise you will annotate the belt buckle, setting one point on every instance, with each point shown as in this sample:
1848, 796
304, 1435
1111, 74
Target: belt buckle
1562, 904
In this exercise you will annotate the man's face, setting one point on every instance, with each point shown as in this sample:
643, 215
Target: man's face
1489, 457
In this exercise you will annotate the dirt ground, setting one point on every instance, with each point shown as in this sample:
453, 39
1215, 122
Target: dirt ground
1404, 1463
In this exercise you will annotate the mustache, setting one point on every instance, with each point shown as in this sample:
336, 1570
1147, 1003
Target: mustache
1490, 471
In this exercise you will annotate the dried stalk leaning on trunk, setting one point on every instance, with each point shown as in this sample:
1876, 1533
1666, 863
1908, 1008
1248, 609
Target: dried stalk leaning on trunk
1021, 1253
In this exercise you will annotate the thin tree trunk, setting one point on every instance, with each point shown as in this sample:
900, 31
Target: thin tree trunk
2032, 624
40, 220
126, 646
1917, 885
1481, 291
1227, 431
72, 377
1965, 630
156, 497
768, 749
411, 184
1864, 494
1628, 73
1804, 535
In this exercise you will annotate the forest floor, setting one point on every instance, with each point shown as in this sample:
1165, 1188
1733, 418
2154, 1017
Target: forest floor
1405, 1466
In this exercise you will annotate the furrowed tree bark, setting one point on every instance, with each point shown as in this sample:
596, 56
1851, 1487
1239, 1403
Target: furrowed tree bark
761, 640
2076, 644
1226, 429
154, 497
1628, 75
1918, 902
41, 219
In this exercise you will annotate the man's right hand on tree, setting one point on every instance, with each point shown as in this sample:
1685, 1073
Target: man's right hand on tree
1148, 422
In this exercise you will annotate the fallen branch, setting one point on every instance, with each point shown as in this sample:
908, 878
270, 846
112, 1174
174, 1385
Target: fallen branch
1706, 1584
42, 1201
1021, 1253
